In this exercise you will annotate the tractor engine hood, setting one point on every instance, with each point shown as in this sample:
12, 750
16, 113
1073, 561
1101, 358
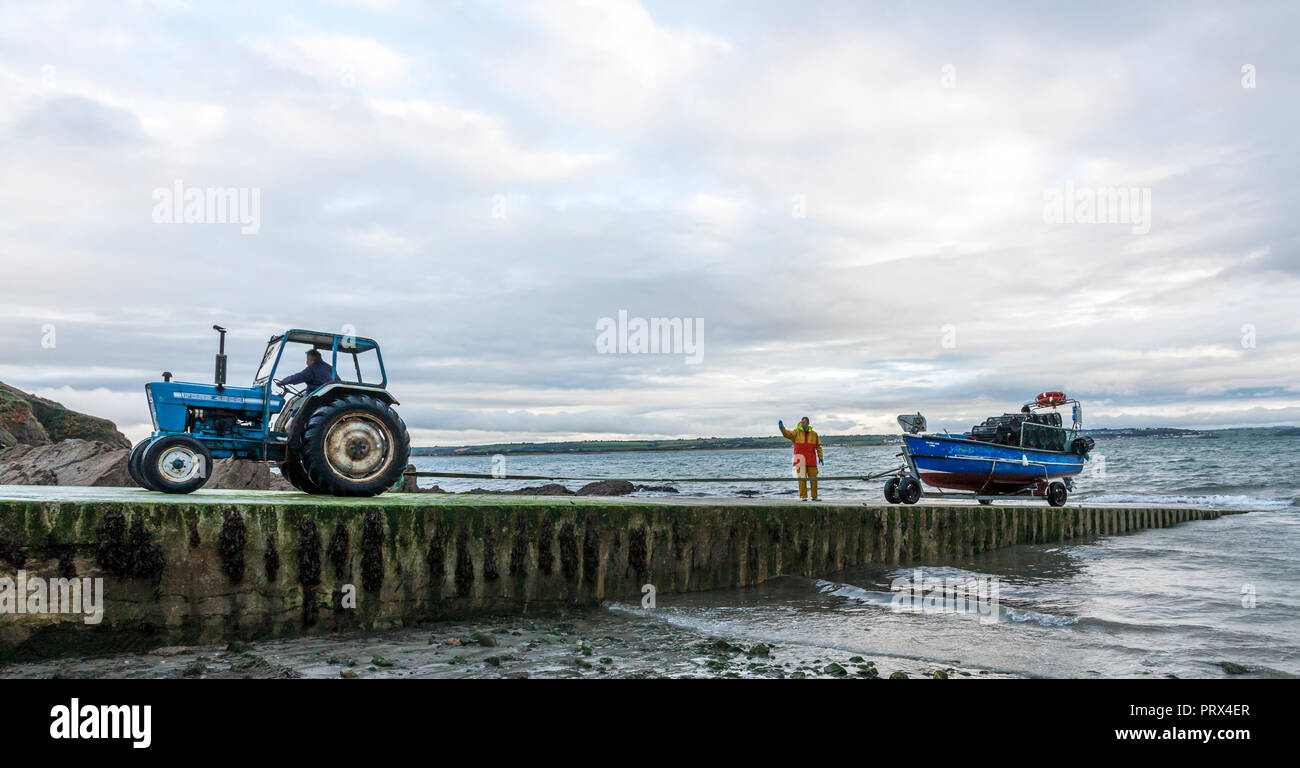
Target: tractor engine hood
169, 401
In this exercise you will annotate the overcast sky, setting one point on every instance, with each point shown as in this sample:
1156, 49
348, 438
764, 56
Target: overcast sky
855, 198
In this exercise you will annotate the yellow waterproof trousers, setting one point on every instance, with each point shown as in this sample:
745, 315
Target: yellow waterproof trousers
810, 472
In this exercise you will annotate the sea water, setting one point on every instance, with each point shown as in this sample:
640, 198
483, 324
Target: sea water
1171, 601
1176, 601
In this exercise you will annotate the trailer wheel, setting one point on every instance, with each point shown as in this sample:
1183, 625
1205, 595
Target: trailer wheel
1056, 494
891, 491
355, 446
133, 463
910, 493
176, 464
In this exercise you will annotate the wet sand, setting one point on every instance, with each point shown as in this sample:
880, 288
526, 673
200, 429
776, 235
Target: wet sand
598, 643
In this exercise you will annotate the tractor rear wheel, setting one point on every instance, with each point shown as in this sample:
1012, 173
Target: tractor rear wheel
291, 470
354, 446
133, 464
176, 464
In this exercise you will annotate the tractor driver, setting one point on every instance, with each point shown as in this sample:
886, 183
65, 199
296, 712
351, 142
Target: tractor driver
316, 374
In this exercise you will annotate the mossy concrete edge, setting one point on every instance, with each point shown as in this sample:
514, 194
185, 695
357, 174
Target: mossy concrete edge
180, 571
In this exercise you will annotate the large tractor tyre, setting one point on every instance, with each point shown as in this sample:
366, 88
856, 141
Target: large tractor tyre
176, 464
354, 446
291, 470
134, 462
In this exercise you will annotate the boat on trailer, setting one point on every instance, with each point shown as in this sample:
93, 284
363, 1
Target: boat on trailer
1026, 454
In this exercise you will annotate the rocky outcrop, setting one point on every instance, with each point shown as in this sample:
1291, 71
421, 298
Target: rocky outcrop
68, 462
246, 476
550, 489
30, 420
408, 484
607, 488
92, 463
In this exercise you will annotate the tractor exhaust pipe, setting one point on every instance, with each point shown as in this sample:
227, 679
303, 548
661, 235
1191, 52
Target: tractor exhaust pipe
220, 376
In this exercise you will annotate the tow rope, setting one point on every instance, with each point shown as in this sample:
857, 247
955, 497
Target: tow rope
667, 480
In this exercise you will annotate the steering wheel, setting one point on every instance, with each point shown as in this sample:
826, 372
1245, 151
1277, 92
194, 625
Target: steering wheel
289, 388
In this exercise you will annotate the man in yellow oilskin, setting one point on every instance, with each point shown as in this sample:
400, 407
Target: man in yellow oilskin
807, 454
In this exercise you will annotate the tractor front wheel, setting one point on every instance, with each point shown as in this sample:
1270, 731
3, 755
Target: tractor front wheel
176, 464
134, 462
354, 446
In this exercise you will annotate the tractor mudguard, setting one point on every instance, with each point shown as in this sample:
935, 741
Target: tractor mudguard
336, 389
313, 400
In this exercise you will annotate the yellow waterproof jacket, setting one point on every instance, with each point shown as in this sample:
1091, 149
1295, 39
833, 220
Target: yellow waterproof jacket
806, 444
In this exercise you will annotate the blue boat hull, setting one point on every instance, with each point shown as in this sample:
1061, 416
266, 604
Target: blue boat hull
979, 467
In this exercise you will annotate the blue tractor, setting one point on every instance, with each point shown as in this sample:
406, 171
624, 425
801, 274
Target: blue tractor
341, 438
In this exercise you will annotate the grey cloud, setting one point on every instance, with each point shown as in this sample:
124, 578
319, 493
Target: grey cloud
79, 122
924, 209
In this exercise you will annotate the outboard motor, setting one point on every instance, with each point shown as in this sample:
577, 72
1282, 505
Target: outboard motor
220, 376
912, 423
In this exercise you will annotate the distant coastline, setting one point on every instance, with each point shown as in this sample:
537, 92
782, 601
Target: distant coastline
652, 446
752, 443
